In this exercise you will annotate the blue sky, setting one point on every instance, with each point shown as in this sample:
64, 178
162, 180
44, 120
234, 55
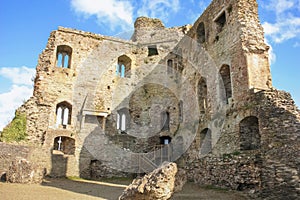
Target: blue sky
26, 25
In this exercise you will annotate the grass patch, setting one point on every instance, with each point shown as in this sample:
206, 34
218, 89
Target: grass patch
16, 130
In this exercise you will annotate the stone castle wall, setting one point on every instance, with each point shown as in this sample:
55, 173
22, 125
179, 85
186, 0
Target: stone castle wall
211, 82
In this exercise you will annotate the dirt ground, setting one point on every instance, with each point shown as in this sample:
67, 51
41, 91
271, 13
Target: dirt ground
65, 189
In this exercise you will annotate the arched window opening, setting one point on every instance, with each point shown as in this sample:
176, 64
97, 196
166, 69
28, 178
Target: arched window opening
63, 56
226, 78
201, 33
165, 121
170, 66
205, 141
64, 144
123, 119
124, 66
249, 133
202, 95
63, 114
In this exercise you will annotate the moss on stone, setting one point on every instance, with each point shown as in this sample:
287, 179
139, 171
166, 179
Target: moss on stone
16, 130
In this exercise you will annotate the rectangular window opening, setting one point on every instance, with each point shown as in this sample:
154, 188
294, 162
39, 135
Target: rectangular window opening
221, 21
152, 50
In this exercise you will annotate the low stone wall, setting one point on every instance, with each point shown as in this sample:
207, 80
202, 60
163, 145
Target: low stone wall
238, 172
8, 154
21, 164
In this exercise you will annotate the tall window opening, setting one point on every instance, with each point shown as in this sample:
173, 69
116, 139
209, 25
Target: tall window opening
63, 56
226, 78
205, 141
64, 144
170, 66
249, 133
123, 119
124, 66
63, 114
201, 33
165, 121
221, 21
180, 111
202, 95
152, 50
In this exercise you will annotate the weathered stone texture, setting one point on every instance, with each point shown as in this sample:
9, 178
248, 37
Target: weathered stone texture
205, 90
158, 184
22, 171
8, 154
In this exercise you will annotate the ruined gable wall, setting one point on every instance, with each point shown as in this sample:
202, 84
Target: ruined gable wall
239, 44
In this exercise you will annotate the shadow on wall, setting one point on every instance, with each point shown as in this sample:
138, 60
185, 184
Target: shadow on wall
63, 147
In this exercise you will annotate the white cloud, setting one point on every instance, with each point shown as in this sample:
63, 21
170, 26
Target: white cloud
158, 8
283, 5
287, 23
272, 55
20, 91
113, 12
10, 101
20, 76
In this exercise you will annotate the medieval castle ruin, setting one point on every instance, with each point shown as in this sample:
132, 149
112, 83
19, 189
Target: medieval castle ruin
200, 96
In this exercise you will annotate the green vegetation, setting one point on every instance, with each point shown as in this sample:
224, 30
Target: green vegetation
16, 130
75, 178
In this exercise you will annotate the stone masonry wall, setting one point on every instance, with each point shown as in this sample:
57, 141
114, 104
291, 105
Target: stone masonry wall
271, 171
228, 34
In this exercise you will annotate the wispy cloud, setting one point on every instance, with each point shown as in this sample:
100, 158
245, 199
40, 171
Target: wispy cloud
20, 76
272, 55
120, 13
158, 8
287, 22
21, 90
112, 13
297, 44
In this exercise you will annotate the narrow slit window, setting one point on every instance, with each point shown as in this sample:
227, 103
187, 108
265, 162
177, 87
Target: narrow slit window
124, 67
170, 66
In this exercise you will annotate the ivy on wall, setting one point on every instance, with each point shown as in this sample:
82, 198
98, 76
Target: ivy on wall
16, 130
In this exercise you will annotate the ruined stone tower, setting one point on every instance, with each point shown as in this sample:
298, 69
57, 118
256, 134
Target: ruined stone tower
198, 95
